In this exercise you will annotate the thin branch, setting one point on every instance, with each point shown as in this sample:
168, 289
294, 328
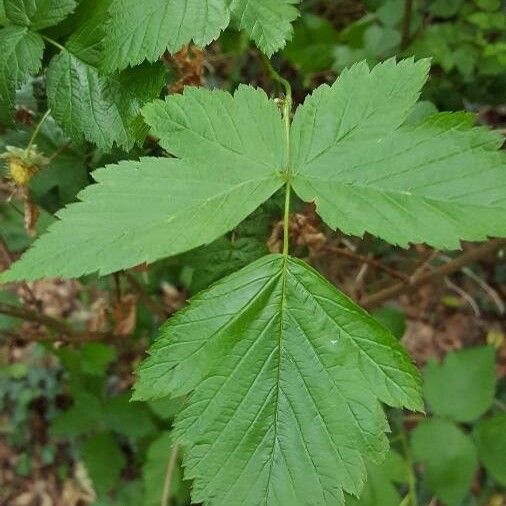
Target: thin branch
65, 332
167, 485
376, 264
156, 308
439, 273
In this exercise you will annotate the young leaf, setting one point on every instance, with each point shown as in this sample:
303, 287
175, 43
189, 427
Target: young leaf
436, 182
287, 376
267, 22
142, 211
449, 456
21, 57
463, 386
490, 437
38, 14
140, 31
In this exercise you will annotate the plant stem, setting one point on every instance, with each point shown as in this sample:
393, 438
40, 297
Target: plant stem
413, 500
168, 476
406, 24
52, 42
37, 129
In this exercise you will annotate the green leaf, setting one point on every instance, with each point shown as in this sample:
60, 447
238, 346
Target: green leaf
38, 14
139, 31
21, 57
312, 47
83, 416
436, 182
380, 489
143, 211
462, 387
155, 470
222, 257
130, 419
104, 461
287, 375
96, 357
490, 437
393, 319
103, 110
266, 22
449, 456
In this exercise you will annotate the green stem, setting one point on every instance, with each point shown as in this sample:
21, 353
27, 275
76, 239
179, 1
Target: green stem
37, 129
413, 499
52, 42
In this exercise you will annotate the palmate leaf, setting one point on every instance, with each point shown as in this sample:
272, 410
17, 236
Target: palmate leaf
287, 375
436, 182
157, 207
139, 31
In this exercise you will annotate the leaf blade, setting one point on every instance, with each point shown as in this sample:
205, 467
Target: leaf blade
439, 182
139, 31
274, 402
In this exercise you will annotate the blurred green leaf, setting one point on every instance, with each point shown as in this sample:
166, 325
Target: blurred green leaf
312, 46
393, 319
380, 489
155, 469
83, 416
490, 437
449, 456
96, 357
462, 387
104, 461
131, 419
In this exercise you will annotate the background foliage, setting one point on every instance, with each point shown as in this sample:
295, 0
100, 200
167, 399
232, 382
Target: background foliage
68, 431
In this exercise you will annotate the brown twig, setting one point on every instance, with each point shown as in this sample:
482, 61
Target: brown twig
406, 24
376, 264
157, 309
65, 332
455, 265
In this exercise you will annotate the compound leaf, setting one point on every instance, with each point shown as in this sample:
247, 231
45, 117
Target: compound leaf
38, 14
436, 182
463, 386
21, 57
266, 22
145, 30
157, 207
287, 375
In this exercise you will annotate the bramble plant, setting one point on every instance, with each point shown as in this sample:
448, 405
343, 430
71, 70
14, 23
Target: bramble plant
285, 375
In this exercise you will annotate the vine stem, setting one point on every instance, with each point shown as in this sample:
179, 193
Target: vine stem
37, 129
